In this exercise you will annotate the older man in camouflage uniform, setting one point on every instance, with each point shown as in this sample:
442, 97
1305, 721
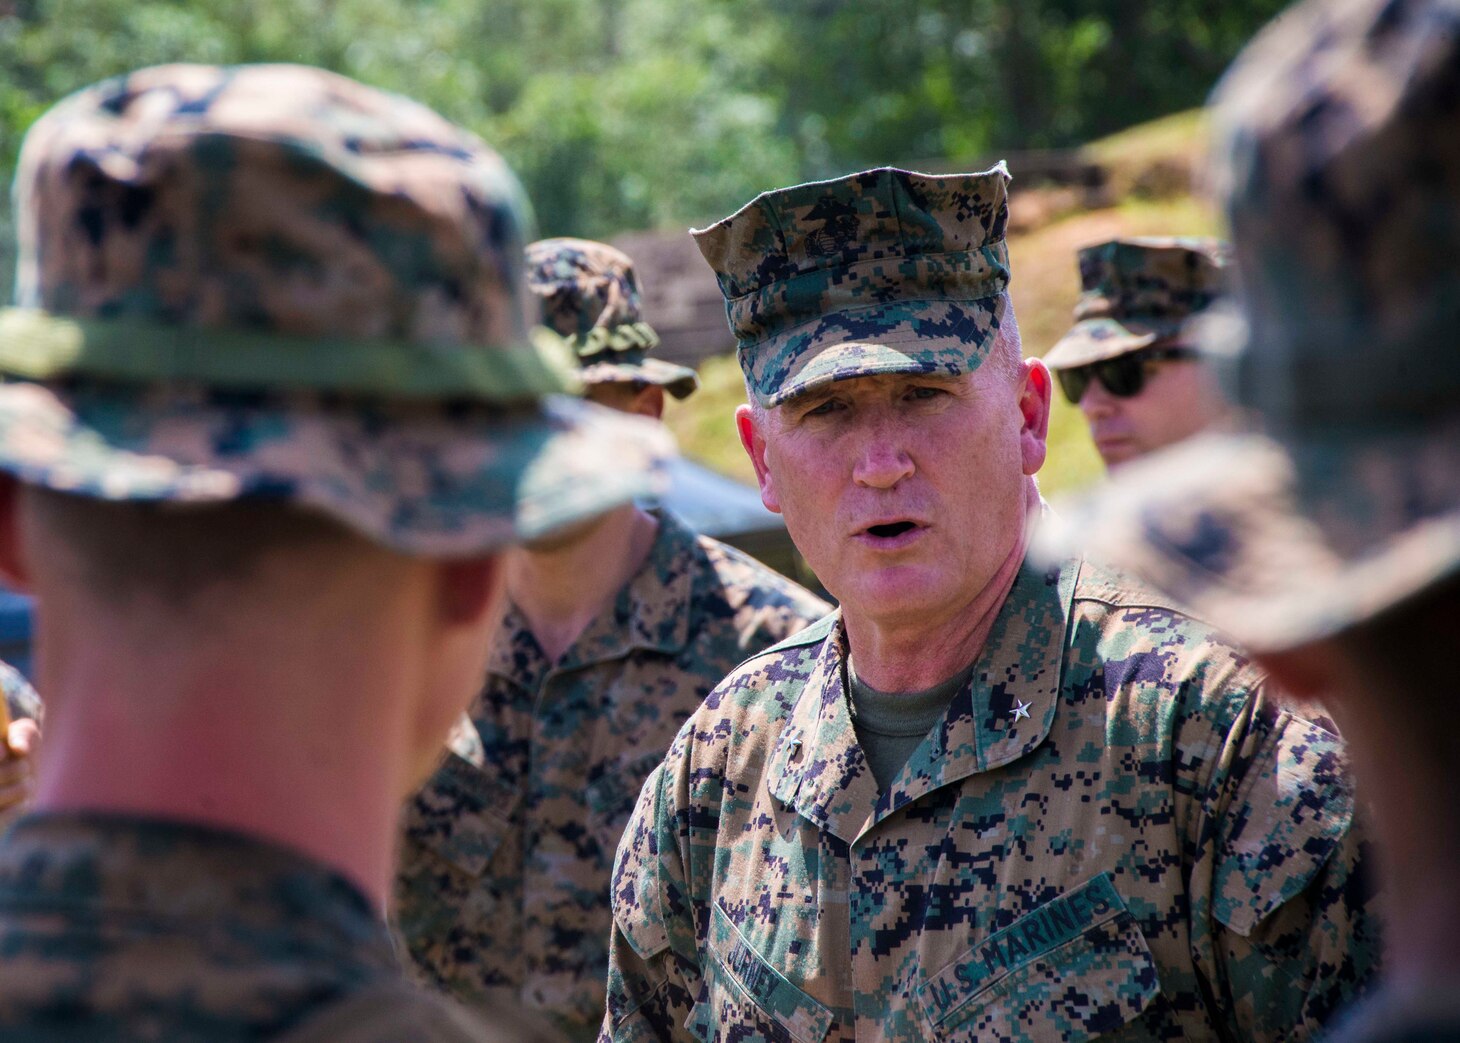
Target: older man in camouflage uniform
1140, 381
987, 799
270, 413
1331, 544
614, 635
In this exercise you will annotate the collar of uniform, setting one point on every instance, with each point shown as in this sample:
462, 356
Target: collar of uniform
816, 765
177, 873
651, 612
818, 768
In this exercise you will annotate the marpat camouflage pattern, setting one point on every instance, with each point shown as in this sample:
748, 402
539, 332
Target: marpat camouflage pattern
267, 282
270, 280
884, 271
120, 929
504, 885
590, 297
1138, 293
1158, 851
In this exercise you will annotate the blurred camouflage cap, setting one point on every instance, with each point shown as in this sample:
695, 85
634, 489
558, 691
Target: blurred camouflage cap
1338, 162
885, 271
272, 281
590, 297
1138, 293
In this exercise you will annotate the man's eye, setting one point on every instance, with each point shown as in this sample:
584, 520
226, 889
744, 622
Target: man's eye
926, 393
823, 408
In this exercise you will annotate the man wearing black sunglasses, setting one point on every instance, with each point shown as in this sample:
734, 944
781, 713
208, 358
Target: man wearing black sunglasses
1140, 386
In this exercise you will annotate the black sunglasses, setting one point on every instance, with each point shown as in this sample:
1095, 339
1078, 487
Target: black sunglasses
1123, 376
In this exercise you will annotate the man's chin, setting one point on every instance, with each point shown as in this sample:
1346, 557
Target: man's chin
891, 592
1118, 454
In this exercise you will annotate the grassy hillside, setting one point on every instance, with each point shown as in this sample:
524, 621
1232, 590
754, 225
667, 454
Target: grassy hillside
1149, 166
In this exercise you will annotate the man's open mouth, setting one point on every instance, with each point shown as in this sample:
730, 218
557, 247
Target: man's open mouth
891, 529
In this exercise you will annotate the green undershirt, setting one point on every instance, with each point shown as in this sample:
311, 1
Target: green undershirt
890, 725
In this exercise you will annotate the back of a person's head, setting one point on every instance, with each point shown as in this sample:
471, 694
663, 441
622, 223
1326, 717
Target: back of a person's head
157, 558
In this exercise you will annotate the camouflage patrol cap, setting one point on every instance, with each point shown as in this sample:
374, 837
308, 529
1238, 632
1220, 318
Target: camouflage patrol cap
1138, 293
1338, 162
885, 271
271, 281
590, 297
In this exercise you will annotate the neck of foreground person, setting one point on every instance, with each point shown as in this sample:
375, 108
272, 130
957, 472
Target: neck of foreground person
296, 734
1407, 784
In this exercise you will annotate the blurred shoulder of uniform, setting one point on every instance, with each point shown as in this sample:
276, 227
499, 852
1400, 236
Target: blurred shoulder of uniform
395, 1009
768, 606
737, 726
1130, 626
1108, 584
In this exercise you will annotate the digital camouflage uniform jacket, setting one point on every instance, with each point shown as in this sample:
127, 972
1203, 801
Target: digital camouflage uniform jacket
119, 929
1115, 830
506, 861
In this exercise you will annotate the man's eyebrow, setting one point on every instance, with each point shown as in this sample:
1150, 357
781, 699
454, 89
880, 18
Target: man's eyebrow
811, 396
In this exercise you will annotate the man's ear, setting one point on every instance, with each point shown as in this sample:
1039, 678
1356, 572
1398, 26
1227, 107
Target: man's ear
748, 425
13, 569
1035, 391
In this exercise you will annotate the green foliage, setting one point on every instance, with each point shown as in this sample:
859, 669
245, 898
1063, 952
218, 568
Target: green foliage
623, 114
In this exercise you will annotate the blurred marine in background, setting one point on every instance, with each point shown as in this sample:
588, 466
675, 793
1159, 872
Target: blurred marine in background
1330, 542
270, 415
615, 632
1138, 378
988, 797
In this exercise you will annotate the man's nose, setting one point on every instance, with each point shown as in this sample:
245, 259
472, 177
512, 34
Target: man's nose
882, 463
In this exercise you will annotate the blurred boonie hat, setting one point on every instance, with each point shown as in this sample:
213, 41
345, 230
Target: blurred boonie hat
1138, 293
271, 281
1338, 161
885, 271
590, 297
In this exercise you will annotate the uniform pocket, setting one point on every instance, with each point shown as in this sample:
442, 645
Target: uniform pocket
1294, 809
458, 881
462, 815
1075, 968
746, 998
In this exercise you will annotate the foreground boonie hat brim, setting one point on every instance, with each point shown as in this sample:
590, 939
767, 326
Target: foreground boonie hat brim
422, 478
679, 381
949, 337
1095, 340
1222, 524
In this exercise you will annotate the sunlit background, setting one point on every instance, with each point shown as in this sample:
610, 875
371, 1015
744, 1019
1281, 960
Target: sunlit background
632, 120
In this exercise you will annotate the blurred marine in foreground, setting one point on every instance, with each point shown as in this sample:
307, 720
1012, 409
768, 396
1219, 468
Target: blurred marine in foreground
987, 798
1330, 542
270, 416
615, 632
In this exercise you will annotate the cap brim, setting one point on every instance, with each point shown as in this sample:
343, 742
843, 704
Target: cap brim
679, 381
951, 337
420, 478
1095, 340
1279, 545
